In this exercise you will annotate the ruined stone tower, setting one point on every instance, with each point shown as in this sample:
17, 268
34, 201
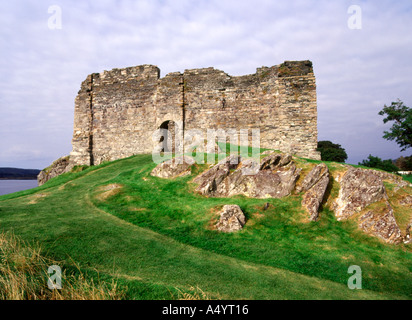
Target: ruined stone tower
117, 111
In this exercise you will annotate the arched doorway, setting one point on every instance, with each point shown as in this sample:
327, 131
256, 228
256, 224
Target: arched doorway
168, 138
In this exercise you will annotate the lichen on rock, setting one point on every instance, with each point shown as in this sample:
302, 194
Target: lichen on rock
382, 224
231, 219
274, 177
58, 167
315, 185
359, 188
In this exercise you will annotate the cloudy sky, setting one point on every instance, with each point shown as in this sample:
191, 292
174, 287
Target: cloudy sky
357, 70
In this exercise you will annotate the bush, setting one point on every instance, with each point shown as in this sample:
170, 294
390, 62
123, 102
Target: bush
331, 152
378, 163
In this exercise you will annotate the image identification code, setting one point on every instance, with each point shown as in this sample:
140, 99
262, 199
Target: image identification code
229, 309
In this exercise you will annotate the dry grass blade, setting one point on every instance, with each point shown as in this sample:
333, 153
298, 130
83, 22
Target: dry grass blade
23, 276
194, 293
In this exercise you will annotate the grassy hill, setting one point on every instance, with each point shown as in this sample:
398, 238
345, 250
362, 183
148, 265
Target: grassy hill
154, 237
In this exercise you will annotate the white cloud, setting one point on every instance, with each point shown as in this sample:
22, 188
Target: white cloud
357, 71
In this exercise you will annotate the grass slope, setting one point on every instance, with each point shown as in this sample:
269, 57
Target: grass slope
154, 236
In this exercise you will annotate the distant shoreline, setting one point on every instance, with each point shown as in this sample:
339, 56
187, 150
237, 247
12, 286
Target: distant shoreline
7, 173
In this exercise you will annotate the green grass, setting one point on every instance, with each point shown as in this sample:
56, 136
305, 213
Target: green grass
23, 272
153, 236
407, 178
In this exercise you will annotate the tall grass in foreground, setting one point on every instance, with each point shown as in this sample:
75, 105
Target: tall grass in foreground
194, 293
23, 276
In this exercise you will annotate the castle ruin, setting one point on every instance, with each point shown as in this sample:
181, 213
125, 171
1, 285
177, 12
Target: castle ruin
117, 111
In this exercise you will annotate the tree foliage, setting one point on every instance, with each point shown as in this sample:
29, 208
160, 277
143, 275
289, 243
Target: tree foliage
331, 152
401, 130
378, 163
404, 163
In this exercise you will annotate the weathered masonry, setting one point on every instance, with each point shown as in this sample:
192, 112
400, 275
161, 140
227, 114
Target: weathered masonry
117, 111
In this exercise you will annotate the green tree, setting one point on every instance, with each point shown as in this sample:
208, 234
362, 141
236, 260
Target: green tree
378, 163
331, 152
401, 130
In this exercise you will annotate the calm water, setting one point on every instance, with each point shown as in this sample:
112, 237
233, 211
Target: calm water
10, 186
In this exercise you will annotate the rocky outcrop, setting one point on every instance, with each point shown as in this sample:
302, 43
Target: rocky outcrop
211, 179
314, 185
391, 177
231, 219
172, 168
313, 177
275, 160
358, 189
408, 238
382, 225
406, 201
58, 167
274, 177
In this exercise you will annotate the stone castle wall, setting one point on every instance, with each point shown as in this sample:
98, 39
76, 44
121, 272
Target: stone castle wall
117, 111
